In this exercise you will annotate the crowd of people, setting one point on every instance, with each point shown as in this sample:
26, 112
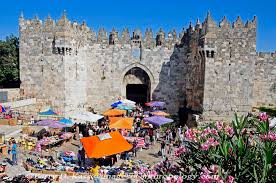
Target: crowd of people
167, 138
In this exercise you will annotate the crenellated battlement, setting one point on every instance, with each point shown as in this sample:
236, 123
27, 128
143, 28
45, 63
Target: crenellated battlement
267, 54
65, 29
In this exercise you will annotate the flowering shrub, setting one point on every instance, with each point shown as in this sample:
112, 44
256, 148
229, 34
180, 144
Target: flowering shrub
244, 151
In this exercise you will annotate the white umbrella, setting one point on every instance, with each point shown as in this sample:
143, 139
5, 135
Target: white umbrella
126, 101
86, 116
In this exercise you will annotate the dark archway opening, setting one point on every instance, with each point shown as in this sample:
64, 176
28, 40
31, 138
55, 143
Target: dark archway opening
137, 85
137, 92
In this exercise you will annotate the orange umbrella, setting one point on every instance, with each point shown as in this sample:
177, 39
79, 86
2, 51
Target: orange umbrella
121, 123
112, 143
114, 112
160, 113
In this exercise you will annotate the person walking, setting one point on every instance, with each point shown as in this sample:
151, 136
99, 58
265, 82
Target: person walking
14, 153
135, 148
95, 172
163, 145
82, 155
157, 134
79, 158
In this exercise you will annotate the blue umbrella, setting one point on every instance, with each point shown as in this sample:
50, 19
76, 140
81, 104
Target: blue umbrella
2, 108
49, 112
67, 122
114, 105
124, 107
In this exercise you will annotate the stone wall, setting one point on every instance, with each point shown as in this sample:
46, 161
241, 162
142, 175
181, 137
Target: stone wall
264, 90
213, 69
228, 69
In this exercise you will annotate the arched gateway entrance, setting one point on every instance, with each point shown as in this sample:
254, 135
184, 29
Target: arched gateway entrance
137, 85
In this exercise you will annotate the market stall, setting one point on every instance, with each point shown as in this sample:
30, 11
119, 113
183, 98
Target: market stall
120, 123
114, 112
85, 116
158, 120
159, 113
100, 145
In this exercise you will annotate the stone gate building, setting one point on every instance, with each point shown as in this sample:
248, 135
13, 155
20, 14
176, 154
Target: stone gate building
213, 69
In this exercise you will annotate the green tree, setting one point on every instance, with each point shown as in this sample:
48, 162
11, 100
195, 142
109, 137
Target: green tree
9, 62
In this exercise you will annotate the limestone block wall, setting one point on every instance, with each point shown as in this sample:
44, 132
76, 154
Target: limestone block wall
264, 90
41, 71
229, 81
107, 67
214, 68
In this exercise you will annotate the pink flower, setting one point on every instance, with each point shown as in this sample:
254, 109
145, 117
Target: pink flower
230, 179
208, 131
211, 142
180, 151
206, 171
219, 125
269, 137
205, 179
179, 179
214, 168
229, 131
190, 135
214, 132
153, 173
205, 147
263, 116
243, 131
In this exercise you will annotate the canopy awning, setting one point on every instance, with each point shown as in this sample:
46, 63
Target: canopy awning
2, 108
51, 123
46, 122
155, 104
66, 122
115, 104
97, 148
114, 112
124, 107
86, 116
158, 120
120, 123
124, 102
48, 112
160, 113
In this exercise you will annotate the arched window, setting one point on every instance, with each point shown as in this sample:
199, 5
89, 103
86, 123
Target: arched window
207, 53
212, 54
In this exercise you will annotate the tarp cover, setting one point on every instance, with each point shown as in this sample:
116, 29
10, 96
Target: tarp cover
86, 116
49, 112
120, 123
155, 104
95, 148
160, 113
158, 120
114, 112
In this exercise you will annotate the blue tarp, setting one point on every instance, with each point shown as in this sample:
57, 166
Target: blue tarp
50, 112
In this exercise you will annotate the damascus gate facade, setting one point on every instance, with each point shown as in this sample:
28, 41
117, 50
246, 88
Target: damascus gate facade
212, 69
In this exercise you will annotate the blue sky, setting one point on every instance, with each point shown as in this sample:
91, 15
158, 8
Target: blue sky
167, 14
